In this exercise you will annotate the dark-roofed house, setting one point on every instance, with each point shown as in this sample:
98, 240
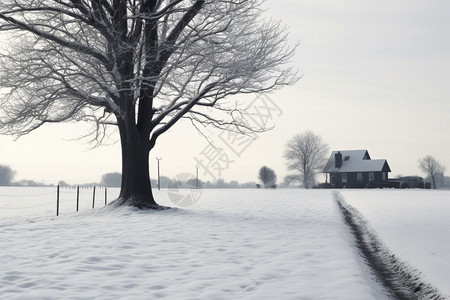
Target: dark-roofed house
355, 168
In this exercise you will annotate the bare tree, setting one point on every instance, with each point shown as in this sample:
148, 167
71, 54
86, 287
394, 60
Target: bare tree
306, 155
141, 66
432, 167
267, 177
112, 179
6, 175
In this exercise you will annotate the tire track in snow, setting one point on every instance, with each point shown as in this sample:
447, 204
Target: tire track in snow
401, 280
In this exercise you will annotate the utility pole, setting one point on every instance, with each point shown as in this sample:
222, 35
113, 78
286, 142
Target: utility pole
159, 178
197, 176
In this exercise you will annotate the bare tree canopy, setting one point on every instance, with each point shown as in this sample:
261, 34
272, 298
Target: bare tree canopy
432, 167
6, 175
267, 177
306, 155
139, 65
112, 179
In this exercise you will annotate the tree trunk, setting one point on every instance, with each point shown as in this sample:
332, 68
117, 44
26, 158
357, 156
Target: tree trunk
305, 180
136, 187
434, 181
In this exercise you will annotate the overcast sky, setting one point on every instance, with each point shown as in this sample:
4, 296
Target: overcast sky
375, 76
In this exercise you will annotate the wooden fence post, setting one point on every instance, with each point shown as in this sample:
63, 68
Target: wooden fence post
106, 196
93, 198
78, 197
57, 200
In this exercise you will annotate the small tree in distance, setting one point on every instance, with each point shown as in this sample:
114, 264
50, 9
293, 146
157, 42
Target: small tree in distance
112, 179
6, 175
306, 155
432, 167
267, 177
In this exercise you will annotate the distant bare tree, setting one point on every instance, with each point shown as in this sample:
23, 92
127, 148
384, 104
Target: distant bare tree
6, 175
62, 183
306, 155
141, 66
267, 177
112, 179
432, 167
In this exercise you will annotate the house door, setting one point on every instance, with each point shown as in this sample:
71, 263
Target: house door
332, 180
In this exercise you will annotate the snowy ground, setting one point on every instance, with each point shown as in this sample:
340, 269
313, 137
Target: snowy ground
233, 244
413, 224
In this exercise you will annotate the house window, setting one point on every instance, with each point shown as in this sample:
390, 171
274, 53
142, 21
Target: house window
359, 176
344, 177
371, 176
383, 176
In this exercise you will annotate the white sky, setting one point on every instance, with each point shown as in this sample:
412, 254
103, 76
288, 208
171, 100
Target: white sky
376, 77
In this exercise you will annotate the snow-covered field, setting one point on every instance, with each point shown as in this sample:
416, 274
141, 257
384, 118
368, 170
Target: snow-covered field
233, 244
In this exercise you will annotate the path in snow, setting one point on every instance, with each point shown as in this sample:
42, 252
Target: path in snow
400, 279
234, 244
413, 224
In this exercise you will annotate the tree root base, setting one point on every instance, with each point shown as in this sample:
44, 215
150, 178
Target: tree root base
138, 203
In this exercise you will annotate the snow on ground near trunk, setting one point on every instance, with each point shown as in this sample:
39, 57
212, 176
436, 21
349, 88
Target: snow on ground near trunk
234, 244
413, 224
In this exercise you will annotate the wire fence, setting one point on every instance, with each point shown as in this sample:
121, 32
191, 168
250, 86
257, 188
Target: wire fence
25, 201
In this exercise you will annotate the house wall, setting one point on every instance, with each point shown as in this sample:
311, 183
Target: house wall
352, 179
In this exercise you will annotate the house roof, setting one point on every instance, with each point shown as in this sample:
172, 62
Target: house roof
356, 161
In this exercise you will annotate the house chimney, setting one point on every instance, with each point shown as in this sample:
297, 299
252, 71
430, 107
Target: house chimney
338, 160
